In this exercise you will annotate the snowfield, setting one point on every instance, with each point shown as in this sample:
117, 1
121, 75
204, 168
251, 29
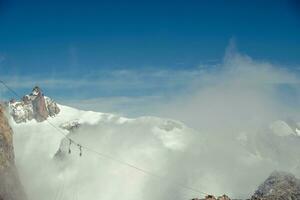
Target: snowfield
166, 148
146, 142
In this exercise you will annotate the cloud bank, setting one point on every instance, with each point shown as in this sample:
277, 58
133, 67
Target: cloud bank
231, 148
237, 92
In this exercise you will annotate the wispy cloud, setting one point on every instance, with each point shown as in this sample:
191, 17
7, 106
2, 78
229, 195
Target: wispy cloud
139, 91
112, 79
229, 106
124, 83
122, 105
240, 91
228, 109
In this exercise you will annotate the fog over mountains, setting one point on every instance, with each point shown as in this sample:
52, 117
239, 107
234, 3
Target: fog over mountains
235, 164
225, 134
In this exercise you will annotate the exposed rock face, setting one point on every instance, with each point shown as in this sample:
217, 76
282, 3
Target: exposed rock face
223, 197
33, 106
279, 186
64, 148
10, 185
6, 143
71, 126
40, 111
211, 197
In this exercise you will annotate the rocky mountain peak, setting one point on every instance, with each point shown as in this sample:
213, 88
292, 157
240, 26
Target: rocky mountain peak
33, 106
279, 185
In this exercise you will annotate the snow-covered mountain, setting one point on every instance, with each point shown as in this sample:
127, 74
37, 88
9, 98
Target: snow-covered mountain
43, 159
33, 106
166, 148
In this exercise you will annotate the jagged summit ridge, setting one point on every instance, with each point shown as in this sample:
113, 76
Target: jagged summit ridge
33, 106
279, 185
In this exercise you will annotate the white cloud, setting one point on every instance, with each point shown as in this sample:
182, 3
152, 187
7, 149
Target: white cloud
115, 79
122, 105
231, 150
237, 79
241, 90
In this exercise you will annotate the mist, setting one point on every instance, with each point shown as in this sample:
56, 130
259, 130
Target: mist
222, 140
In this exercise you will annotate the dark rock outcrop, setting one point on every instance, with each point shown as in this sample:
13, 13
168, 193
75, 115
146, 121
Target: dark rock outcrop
71, 126
10, 185
223, 197
64, 149
211, 197
279, 186
40, 112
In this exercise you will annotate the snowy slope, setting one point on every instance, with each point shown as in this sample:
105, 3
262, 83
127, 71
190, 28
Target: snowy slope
146, 142
164, 147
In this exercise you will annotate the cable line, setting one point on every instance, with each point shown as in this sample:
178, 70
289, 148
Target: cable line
109, 157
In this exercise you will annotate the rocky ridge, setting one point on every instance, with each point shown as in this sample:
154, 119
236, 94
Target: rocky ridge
10, 185
33, 106
278, 186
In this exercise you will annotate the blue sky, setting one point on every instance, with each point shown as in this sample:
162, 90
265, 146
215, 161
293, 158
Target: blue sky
49, 36
94, 39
